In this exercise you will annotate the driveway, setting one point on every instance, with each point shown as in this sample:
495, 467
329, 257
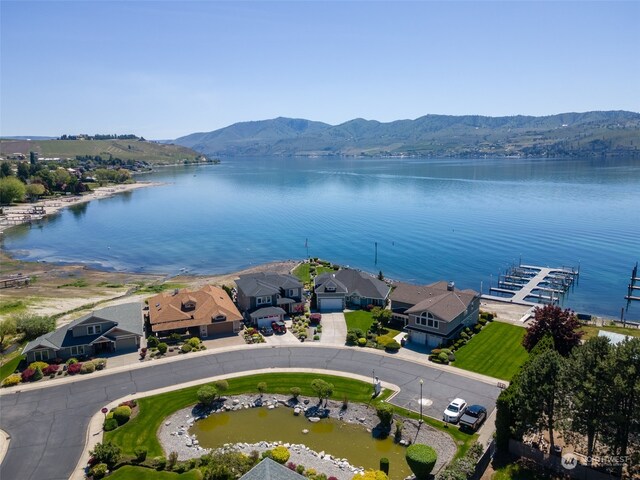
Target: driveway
334, 329
48, 426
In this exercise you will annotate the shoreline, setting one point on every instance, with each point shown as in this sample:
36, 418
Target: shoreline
53, 206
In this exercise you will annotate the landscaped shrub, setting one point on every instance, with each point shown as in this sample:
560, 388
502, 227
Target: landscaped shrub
186, 348
152, 342
392, 346
141, 454
421, 460
159, 463
352, 338
100, 363
74, 368
122, 414
300, 469
435, 352
358, 332
11, 380
316, 337
27, 374
221, 386
482, 321
194, 342
384, 465
207, 395
443, 358
129, 403
98, 471
477, 328
162, 348
172, 460
370, 475
385, 414
71, 361
362, 342
37, 374
295, 392
106, 453
110, 424
280, 454
88, 367
42, 365
50, 369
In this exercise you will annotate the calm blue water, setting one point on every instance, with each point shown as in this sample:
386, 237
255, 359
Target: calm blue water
461, 220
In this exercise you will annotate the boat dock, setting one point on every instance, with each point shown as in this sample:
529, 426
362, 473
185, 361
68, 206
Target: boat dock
632, 286
531, 285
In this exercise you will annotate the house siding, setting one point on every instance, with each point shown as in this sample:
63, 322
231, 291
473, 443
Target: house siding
81, 329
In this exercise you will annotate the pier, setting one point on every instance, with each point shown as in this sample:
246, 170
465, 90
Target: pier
632, 286
531, 285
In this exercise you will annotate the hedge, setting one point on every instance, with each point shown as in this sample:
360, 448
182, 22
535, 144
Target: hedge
122, 414
421, 460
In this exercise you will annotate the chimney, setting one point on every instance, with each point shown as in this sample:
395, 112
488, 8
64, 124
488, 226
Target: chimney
451, 286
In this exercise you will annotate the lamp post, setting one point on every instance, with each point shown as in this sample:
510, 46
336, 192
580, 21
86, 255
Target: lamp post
421, 382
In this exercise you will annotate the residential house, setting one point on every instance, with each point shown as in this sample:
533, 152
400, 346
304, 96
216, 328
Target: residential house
202, 313
336, 291
266, 297
108, 330
269, 469
434, 314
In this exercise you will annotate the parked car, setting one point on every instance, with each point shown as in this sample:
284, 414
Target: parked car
473, 417
266, 331
279, 327
454, 411
315, 317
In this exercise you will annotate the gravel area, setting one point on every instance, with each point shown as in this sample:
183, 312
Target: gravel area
174, 436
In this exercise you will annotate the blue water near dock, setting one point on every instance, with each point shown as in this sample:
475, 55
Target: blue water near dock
452, 219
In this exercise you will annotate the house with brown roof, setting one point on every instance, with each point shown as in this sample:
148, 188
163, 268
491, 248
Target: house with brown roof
434, 314
202, 313
351, 288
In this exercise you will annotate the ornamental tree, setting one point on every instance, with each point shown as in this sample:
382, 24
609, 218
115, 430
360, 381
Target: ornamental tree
562, 324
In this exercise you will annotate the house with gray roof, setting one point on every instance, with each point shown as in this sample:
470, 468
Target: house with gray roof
269, 469
267, 296
434, 314
336, 291
108, 330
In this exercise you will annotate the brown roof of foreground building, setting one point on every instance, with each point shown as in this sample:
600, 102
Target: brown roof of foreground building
436, 298
191, 308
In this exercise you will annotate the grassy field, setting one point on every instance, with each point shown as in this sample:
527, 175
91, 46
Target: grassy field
591, 331
496, 351
362, 319
10, 363
129, 472
150, 152
141, 431
12, 306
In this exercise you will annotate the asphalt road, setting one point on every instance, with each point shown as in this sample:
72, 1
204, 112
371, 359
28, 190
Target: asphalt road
48, 426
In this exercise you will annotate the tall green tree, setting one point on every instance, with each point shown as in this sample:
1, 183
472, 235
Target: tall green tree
323, 389
23, 171
541, 392
5, 170
34, 190
563, 326
11, 189
587, 379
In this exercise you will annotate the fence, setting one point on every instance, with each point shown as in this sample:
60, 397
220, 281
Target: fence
484, 461
573, 469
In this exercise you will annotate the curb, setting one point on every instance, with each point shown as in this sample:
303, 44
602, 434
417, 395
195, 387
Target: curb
5, 439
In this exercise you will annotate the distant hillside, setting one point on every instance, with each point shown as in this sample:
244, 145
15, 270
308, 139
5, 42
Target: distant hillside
614, 133
136, 150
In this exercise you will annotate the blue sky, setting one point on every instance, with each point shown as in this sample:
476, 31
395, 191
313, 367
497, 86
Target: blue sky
166, 69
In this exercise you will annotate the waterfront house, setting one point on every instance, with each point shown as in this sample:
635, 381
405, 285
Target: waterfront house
269, 469
112, 329
434, 314
267, 296
203, 313
336, 291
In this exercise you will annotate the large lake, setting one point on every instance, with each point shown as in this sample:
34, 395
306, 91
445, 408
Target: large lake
460, 220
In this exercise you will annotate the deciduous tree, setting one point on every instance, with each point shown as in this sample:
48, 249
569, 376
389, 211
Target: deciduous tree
561, 324
11, 189
323, 389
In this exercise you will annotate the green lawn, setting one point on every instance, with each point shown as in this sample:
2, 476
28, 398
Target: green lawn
303, 273
141, 431
12, 306
11, 363
129, 472
591, 331
496, 351
362, 319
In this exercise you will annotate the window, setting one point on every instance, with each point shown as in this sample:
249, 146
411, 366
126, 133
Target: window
427, 320
77, 350
263, 300
41, 355
93, 329
291, 292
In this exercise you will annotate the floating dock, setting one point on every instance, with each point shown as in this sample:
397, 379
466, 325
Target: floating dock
531, 285
632, 286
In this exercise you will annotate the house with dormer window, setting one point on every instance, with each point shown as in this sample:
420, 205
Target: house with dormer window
434, 314
108, 330
347, 287
267, 296
203, 313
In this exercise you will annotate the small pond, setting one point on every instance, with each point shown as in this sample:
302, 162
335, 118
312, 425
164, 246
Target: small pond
339, 439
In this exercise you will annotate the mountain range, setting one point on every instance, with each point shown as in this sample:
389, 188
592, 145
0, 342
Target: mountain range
609, 133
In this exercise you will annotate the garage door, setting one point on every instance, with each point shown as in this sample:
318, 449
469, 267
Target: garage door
266, 321
418, 337
331, 305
